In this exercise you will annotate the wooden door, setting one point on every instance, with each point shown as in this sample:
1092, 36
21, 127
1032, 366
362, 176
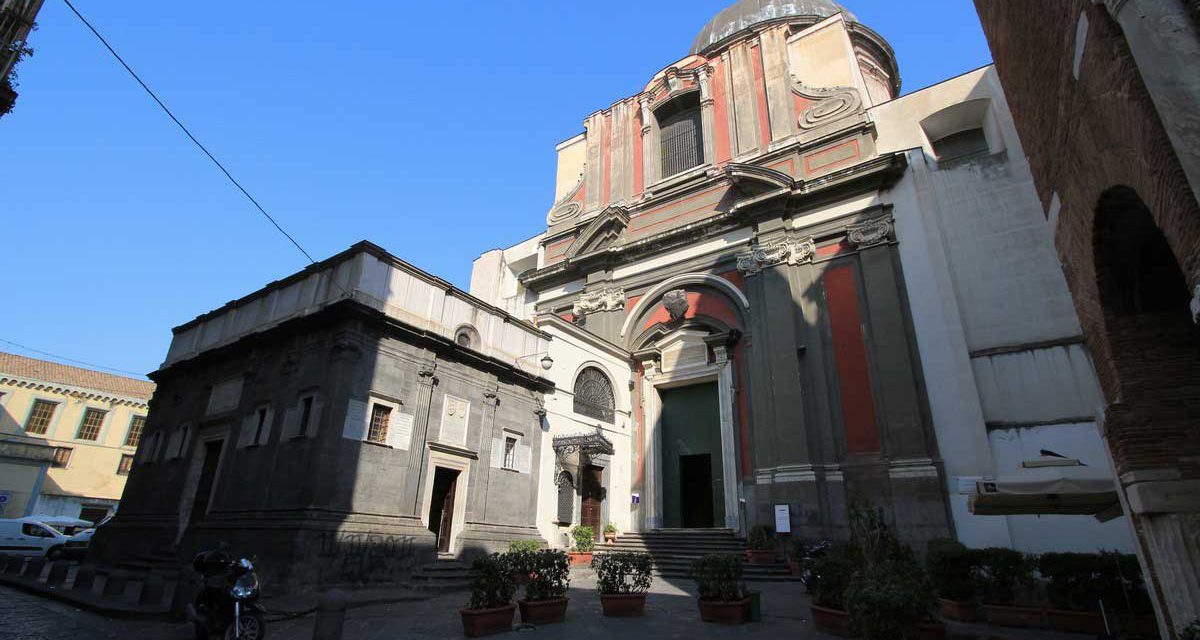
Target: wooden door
446, 522
593, 496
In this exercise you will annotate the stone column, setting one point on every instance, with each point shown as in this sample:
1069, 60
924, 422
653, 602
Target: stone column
706, 114
725, 396
650, 151
426, 382
652, 418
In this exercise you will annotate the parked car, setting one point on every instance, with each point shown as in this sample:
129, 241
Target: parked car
77, 545
31, 536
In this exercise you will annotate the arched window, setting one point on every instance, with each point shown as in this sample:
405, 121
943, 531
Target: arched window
680, 134
466, 336
594, 395
1136, 270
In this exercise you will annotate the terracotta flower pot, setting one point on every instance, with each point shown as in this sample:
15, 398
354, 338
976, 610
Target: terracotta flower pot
580, 557
623, 605
931, 631
543, 611
832, 621
725, 611
1087, 622
1004, 616
957, 610
757, 556
485, 622
610, 537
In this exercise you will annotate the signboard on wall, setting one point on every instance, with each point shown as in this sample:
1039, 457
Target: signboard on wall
5, 498
783, 518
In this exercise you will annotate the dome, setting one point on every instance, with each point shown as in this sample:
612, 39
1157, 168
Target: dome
747, 13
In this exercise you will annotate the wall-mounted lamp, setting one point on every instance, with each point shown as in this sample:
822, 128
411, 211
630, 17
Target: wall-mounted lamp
546, 360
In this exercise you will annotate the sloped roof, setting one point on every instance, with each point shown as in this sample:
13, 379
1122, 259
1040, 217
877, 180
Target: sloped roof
744, 14
45, 371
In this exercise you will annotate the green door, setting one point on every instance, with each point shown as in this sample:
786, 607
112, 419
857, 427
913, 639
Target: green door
693, 484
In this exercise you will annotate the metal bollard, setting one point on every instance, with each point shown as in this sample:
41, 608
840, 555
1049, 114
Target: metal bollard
14, 565
331, 615
114, 586
181, 597
33, 570
85, 578
58, 573
152, 590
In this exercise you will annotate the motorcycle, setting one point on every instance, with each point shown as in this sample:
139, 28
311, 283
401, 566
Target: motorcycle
226, 606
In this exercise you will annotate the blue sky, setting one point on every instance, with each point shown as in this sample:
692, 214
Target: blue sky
428, 128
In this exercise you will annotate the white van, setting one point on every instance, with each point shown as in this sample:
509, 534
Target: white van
31, 537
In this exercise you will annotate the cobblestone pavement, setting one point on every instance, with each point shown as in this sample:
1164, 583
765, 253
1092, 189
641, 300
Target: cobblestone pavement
670, 613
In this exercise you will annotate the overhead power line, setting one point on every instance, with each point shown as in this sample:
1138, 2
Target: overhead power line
66, 359
185, 130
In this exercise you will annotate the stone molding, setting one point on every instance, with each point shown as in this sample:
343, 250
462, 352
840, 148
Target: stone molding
676, 303
762, 256
566, 209
870, 233
607, 299
830, 104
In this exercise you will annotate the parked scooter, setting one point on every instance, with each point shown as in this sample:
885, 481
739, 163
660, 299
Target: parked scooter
226, 606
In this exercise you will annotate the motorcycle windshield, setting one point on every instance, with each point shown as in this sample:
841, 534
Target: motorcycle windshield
245, 587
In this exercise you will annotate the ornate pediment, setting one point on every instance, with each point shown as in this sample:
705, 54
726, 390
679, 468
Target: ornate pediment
762, 256
602, 232
829, 104
755, 184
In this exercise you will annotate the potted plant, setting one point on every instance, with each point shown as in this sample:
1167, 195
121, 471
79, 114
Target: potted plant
1078, 582
623, 580
610, 532
760, 545
520, 557
585, 541
1002, 574
951, 567
892, 599
718, 578
545, 598
491, 608
826, 577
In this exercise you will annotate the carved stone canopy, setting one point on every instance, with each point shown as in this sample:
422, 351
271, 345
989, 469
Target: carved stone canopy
789, 251
571, 451
676, 303
607, 299
870, 233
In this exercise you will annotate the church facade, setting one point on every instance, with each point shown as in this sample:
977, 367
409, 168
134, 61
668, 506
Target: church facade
802, 289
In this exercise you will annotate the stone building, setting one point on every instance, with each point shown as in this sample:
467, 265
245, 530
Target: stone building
67, 437
1106, 96
345, 424
16, 21
797, 287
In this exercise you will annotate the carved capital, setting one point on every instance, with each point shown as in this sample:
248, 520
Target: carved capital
650, 369
870, 233
608, 299
720, 353
774, 253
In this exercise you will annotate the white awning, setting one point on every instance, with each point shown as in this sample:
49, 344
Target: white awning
1048, 485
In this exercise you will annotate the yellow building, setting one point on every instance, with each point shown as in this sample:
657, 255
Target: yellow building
67, 437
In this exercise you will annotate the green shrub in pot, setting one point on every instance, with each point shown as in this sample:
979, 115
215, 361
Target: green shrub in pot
585, 538
1002, 573
951, 567
551, 575
622, 573
761, 538
524, 545
718, 576
1079, 581
827, 576
888, 598
491, 585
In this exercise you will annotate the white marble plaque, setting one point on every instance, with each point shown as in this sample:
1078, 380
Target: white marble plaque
454, 420
402, 427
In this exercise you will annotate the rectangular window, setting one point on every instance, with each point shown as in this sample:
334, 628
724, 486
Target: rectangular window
510, 452
40, 416
378, 429
306, 406
89, 427
125, 465
62, 457
183, 438
963, 144
136, 425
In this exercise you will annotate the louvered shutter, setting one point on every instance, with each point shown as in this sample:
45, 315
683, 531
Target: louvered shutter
314, 419
265, 436
291, 424
355, 427
524, 455
497, 453
246, 437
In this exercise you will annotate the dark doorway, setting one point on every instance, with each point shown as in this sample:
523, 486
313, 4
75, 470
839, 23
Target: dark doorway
695, 490
441, 506
93, 514
593, 497
208, 477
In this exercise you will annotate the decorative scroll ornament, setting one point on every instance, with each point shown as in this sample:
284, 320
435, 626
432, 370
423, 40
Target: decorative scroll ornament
830, 104
676, 303
768, 255
565, 209
870, 233
611, 299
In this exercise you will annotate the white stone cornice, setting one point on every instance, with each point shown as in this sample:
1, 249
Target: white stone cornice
762, 256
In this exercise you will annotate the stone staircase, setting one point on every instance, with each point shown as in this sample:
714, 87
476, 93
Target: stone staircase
442, 575
673, 551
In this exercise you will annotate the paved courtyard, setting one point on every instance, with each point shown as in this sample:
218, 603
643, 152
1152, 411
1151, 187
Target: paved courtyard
670, 613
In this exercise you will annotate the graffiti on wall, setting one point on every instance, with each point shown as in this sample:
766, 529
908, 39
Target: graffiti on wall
365, 557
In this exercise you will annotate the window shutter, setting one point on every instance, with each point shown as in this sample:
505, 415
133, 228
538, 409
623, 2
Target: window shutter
356, 421
246, 437
524, 455
497, 453
266, 430
314, 419
291, 424
173, 444
566, 503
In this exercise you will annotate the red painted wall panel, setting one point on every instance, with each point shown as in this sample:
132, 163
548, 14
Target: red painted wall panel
607, 164
639, 179
760, 94
850, 355
720, 114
